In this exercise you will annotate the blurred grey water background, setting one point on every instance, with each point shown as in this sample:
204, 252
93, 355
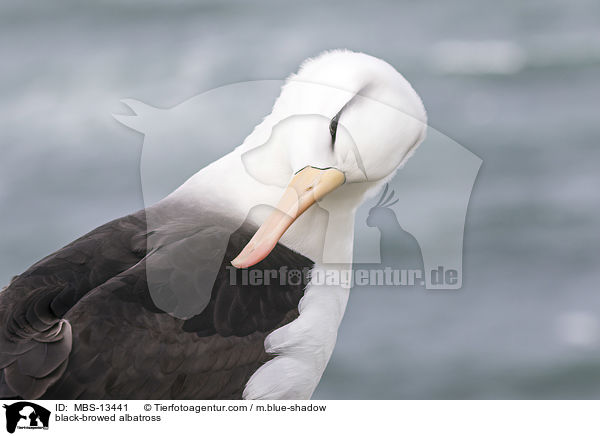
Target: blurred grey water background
515, 82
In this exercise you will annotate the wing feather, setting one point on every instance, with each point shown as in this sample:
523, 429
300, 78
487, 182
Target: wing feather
84, 323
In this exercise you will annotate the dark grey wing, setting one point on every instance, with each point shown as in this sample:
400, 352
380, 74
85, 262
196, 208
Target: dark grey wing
124, 347
35, 340
83, 322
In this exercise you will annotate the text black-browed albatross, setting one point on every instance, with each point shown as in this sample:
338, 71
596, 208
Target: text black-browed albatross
140, 310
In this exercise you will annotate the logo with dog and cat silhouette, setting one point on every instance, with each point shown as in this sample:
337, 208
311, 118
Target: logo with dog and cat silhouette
24, 415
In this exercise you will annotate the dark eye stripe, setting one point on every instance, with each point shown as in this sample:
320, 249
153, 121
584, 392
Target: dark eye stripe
333, 127
334, 121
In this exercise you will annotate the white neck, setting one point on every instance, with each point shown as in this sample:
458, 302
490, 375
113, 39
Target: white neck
324, 234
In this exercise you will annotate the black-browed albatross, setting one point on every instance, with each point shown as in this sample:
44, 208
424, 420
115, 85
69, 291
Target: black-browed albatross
147, 306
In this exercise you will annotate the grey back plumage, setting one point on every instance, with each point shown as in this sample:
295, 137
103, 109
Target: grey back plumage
82, 323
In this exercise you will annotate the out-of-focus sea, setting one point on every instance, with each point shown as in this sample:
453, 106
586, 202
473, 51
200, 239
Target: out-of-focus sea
517, 83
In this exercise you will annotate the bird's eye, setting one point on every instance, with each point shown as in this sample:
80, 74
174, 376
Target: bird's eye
333, 127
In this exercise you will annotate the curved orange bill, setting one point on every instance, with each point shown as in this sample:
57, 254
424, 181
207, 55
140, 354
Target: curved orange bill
306, 187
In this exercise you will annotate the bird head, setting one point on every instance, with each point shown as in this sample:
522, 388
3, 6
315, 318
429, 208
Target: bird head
344, 119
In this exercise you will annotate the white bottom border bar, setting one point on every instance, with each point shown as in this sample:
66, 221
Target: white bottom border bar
299, 417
